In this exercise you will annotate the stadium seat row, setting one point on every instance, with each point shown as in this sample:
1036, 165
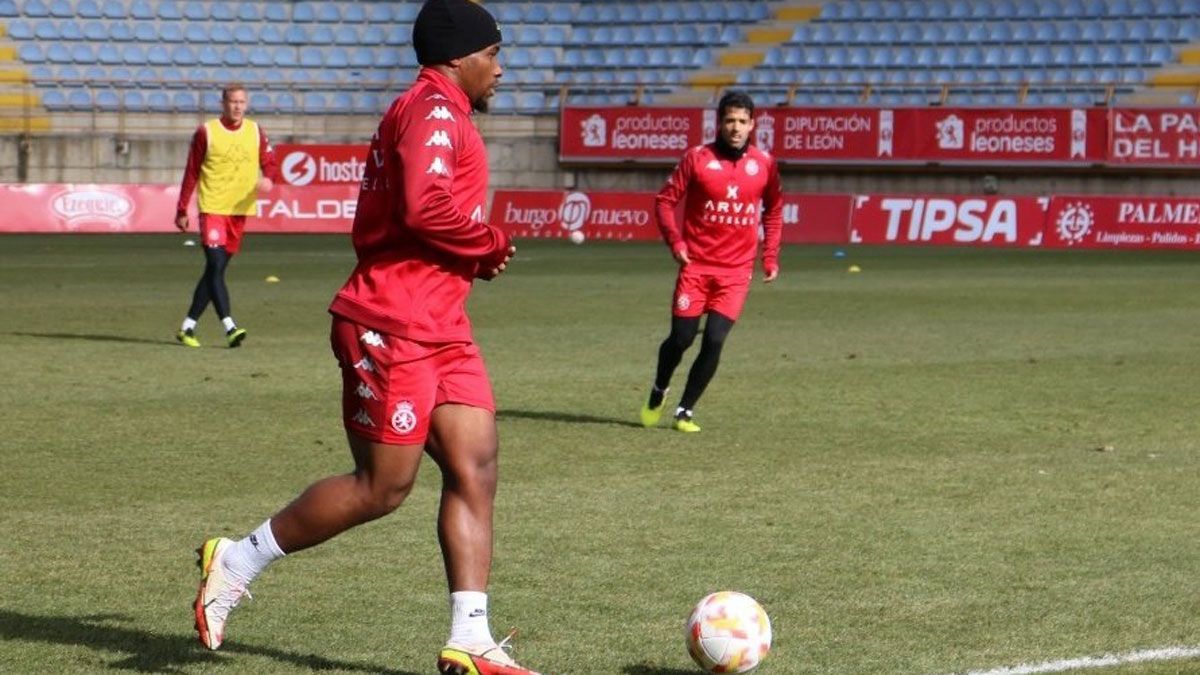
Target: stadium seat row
919, 10
1001, 32
172, 77
935, 78
184, 55
248, 33
283, 12
137, 100
1021, 56
733, 11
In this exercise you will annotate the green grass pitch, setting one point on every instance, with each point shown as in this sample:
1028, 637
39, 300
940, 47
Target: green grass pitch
954, 460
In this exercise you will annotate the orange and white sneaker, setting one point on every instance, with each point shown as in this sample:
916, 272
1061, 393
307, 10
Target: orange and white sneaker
219, 593
491, 660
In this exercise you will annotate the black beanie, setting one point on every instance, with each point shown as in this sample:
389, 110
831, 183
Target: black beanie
452, 29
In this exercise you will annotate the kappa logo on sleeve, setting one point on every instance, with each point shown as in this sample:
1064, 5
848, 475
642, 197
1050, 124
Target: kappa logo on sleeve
438, 167
440, 112
439, 139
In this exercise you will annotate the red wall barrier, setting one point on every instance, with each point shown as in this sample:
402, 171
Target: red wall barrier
1148, 137
1061, 221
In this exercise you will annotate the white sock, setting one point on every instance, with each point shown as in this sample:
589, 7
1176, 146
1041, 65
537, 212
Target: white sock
228, 323
250, 556
469, 619
683, 411
188, 324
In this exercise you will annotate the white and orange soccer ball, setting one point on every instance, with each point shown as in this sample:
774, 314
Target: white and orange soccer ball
728, 632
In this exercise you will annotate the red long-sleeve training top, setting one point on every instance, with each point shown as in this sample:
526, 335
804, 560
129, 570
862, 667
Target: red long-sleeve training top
419, 229
725, 202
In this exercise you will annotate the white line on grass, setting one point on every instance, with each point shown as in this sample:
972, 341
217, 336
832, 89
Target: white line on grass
1141, 656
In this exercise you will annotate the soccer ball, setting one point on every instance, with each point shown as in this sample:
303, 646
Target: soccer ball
576, 237
728, 632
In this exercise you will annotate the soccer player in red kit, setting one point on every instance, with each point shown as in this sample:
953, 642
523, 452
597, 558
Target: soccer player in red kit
729, 188
413, 380
232, 161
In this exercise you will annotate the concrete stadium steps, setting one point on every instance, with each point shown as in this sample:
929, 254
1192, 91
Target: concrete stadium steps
732, 60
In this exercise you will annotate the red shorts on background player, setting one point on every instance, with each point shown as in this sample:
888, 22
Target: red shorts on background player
730, 191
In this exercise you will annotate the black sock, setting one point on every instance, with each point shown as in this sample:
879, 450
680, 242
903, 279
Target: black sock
656, 396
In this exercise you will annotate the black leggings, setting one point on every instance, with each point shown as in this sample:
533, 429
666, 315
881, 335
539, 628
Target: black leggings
670, 353
211, 286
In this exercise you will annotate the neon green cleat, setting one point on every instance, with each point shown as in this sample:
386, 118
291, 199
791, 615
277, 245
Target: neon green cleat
235, 337
686, 425
187, 338
651, 416
219, 593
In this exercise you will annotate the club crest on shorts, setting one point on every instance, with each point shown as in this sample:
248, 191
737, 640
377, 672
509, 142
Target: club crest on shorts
404, 420
683, 302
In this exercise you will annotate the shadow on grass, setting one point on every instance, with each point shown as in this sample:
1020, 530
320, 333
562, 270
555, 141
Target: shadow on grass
147, 652
92, 337
572, 418
644, 669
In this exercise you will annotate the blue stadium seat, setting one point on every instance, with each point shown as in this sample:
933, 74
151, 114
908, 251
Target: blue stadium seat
354, 13
560, 13
373, 35
142, 9
296, 35
196, 33
536, 13
54, 100
46, 30
223, 33
158, 101
8, 8
243, 33
249, 11
133, 100
337, 57
314, 102
61, 9
79, 99
276, 12
303, 12
20, 29
285, 103
88, 9
158, 55
367, 103
181, 55
224, 11
321, 35
271, 35
169, 10
234, 57
286, 57
209, 56
97, 31
115, 9
184, 101
346, 35
83, 53
108, 100
196, 11
132, 54
170, 32
71, 30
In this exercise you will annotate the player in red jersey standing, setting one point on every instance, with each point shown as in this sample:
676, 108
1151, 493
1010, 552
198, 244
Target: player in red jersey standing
729, 187
232, 161
413, 380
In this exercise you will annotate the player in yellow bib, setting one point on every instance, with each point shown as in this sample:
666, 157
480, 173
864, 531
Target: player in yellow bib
231, 161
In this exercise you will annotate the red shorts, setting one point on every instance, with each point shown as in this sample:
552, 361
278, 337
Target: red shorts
698, 292
221, 230
391, 385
